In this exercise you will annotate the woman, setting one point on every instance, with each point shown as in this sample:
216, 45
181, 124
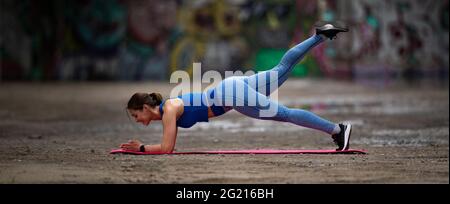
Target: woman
183, 112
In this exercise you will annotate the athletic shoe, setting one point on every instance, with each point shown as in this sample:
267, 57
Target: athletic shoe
329, 29
342, 139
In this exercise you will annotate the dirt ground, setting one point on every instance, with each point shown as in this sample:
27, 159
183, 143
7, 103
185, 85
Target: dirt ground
63, 132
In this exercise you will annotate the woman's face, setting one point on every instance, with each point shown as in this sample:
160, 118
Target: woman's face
144, 116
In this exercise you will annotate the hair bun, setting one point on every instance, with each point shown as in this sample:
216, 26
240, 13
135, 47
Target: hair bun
156, 97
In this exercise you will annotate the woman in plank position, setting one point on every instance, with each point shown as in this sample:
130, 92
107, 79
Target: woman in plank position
184, 112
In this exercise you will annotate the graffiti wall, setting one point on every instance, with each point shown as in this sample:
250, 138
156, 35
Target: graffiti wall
409, 37
149, 39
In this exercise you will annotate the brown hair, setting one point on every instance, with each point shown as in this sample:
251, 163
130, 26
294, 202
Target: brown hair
138, 100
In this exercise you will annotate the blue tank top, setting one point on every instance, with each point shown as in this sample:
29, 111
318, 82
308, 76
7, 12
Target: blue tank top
195, 110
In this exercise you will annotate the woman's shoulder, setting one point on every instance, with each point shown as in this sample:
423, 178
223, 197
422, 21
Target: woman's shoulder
173, 106
172, 103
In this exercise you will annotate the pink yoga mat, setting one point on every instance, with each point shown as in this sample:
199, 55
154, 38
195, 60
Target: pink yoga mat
251, 151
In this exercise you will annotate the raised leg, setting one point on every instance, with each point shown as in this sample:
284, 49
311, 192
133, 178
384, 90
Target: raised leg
268, 81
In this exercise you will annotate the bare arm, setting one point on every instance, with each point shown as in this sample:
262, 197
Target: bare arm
168, 141
170, 129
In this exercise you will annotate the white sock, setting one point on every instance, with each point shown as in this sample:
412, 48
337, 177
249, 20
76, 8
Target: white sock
336, 129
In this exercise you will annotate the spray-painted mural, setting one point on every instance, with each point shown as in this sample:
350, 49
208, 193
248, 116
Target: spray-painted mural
149, 39
405, 37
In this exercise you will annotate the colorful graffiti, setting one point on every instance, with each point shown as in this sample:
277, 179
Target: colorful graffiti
149, 39
211, 36
152, 31
398, 38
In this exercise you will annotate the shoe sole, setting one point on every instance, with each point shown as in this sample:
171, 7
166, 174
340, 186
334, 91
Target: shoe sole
334, 24
331, 26
348, 132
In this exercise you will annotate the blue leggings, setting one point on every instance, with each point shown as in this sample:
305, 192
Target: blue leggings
249, 94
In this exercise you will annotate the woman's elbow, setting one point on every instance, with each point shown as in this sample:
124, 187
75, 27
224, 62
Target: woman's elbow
167, 149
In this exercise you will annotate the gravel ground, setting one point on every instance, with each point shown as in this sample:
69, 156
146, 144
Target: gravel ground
63, 132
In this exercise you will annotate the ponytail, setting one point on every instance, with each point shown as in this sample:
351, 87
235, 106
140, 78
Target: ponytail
138, 100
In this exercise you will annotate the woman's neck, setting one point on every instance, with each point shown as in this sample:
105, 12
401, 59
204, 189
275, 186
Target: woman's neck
158, 113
